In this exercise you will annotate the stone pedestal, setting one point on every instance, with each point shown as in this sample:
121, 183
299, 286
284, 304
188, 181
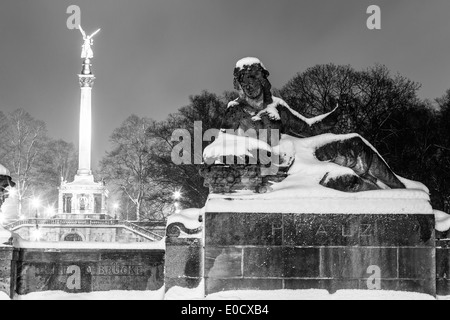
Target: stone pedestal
6, 270
302, 245
443, 264
184, 250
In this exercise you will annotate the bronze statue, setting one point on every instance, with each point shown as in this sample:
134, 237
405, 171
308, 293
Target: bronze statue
88, 42
256, 108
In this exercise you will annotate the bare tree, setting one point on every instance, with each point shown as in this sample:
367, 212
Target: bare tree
126, 168
24, 141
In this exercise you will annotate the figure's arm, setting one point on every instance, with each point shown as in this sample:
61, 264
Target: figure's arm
82, 31
92, 35
306, 127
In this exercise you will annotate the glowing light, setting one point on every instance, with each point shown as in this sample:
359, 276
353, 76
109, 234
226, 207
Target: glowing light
22, 217
12, 192
177, 195
116, 206
36, 203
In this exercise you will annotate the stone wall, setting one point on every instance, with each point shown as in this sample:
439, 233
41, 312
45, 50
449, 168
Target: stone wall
88, 234
77, 271
184, 263
443, 263
6, 272
269, 251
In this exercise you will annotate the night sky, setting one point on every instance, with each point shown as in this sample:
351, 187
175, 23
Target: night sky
152, 54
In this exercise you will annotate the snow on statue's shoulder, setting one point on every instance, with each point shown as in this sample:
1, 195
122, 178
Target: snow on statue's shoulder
233, 103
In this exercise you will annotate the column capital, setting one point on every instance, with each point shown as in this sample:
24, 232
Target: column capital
86, 80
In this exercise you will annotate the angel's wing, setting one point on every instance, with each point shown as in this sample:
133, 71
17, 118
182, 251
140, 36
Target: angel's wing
92, 35
82, 31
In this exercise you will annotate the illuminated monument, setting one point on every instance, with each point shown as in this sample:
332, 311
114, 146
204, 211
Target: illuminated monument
82, 211
84, 197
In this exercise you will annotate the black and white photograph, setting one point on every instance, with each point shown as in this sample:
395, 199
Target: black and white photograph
224, 154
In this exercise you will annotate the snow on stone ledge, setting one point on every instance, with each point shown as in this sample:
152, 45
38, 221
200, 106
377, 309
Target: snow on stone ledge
442, 221
188, 217
318, 295
20, 243
322, 200
108, 295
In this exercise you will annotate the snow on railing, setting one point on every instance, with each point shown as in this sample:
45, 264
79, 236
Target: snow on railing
144, 231
49, 222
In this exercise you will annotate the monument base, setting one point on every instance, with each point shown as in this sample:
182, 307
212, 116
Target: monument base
254, 242
184, 251
443, 267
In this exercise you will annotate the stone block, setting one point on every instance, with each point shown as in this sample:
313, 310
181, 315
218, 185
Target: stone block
183, 261
417, 263
223, 263
234, 229
353, 262
217, 285
88, 270
264, 262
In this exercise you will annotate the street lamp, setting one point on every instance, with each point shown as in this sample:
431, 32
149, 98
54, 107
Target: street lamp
36, 234
177, 195
36, 203
115, 208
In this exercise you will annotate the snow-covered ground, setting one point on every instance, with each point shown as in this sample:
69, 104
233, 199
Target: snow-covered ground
110, 295
3, 296
318, 295
178, 293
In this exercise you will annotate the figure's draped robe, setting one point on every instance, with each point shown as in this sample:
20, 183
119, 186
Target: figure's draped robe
371, 171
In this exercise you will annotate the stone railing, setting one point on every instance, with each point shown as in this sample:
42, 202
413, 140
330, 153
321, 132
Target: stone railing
139, 229
85, 222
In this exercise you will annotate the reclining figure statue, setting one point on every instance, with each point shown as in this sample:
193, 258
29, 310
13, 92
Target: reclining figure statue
256, 108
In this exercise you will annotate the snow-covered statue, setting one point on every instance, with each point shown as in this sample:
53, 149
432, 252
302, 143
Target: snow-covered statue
5, 182
311, 155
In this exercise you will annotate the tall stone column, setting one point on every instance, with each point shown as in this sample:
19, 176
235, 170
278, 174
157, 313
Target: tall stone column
86, 83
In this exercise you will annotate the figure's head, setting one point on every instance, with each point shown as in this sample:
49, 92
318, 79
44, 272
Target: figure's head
250, 79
